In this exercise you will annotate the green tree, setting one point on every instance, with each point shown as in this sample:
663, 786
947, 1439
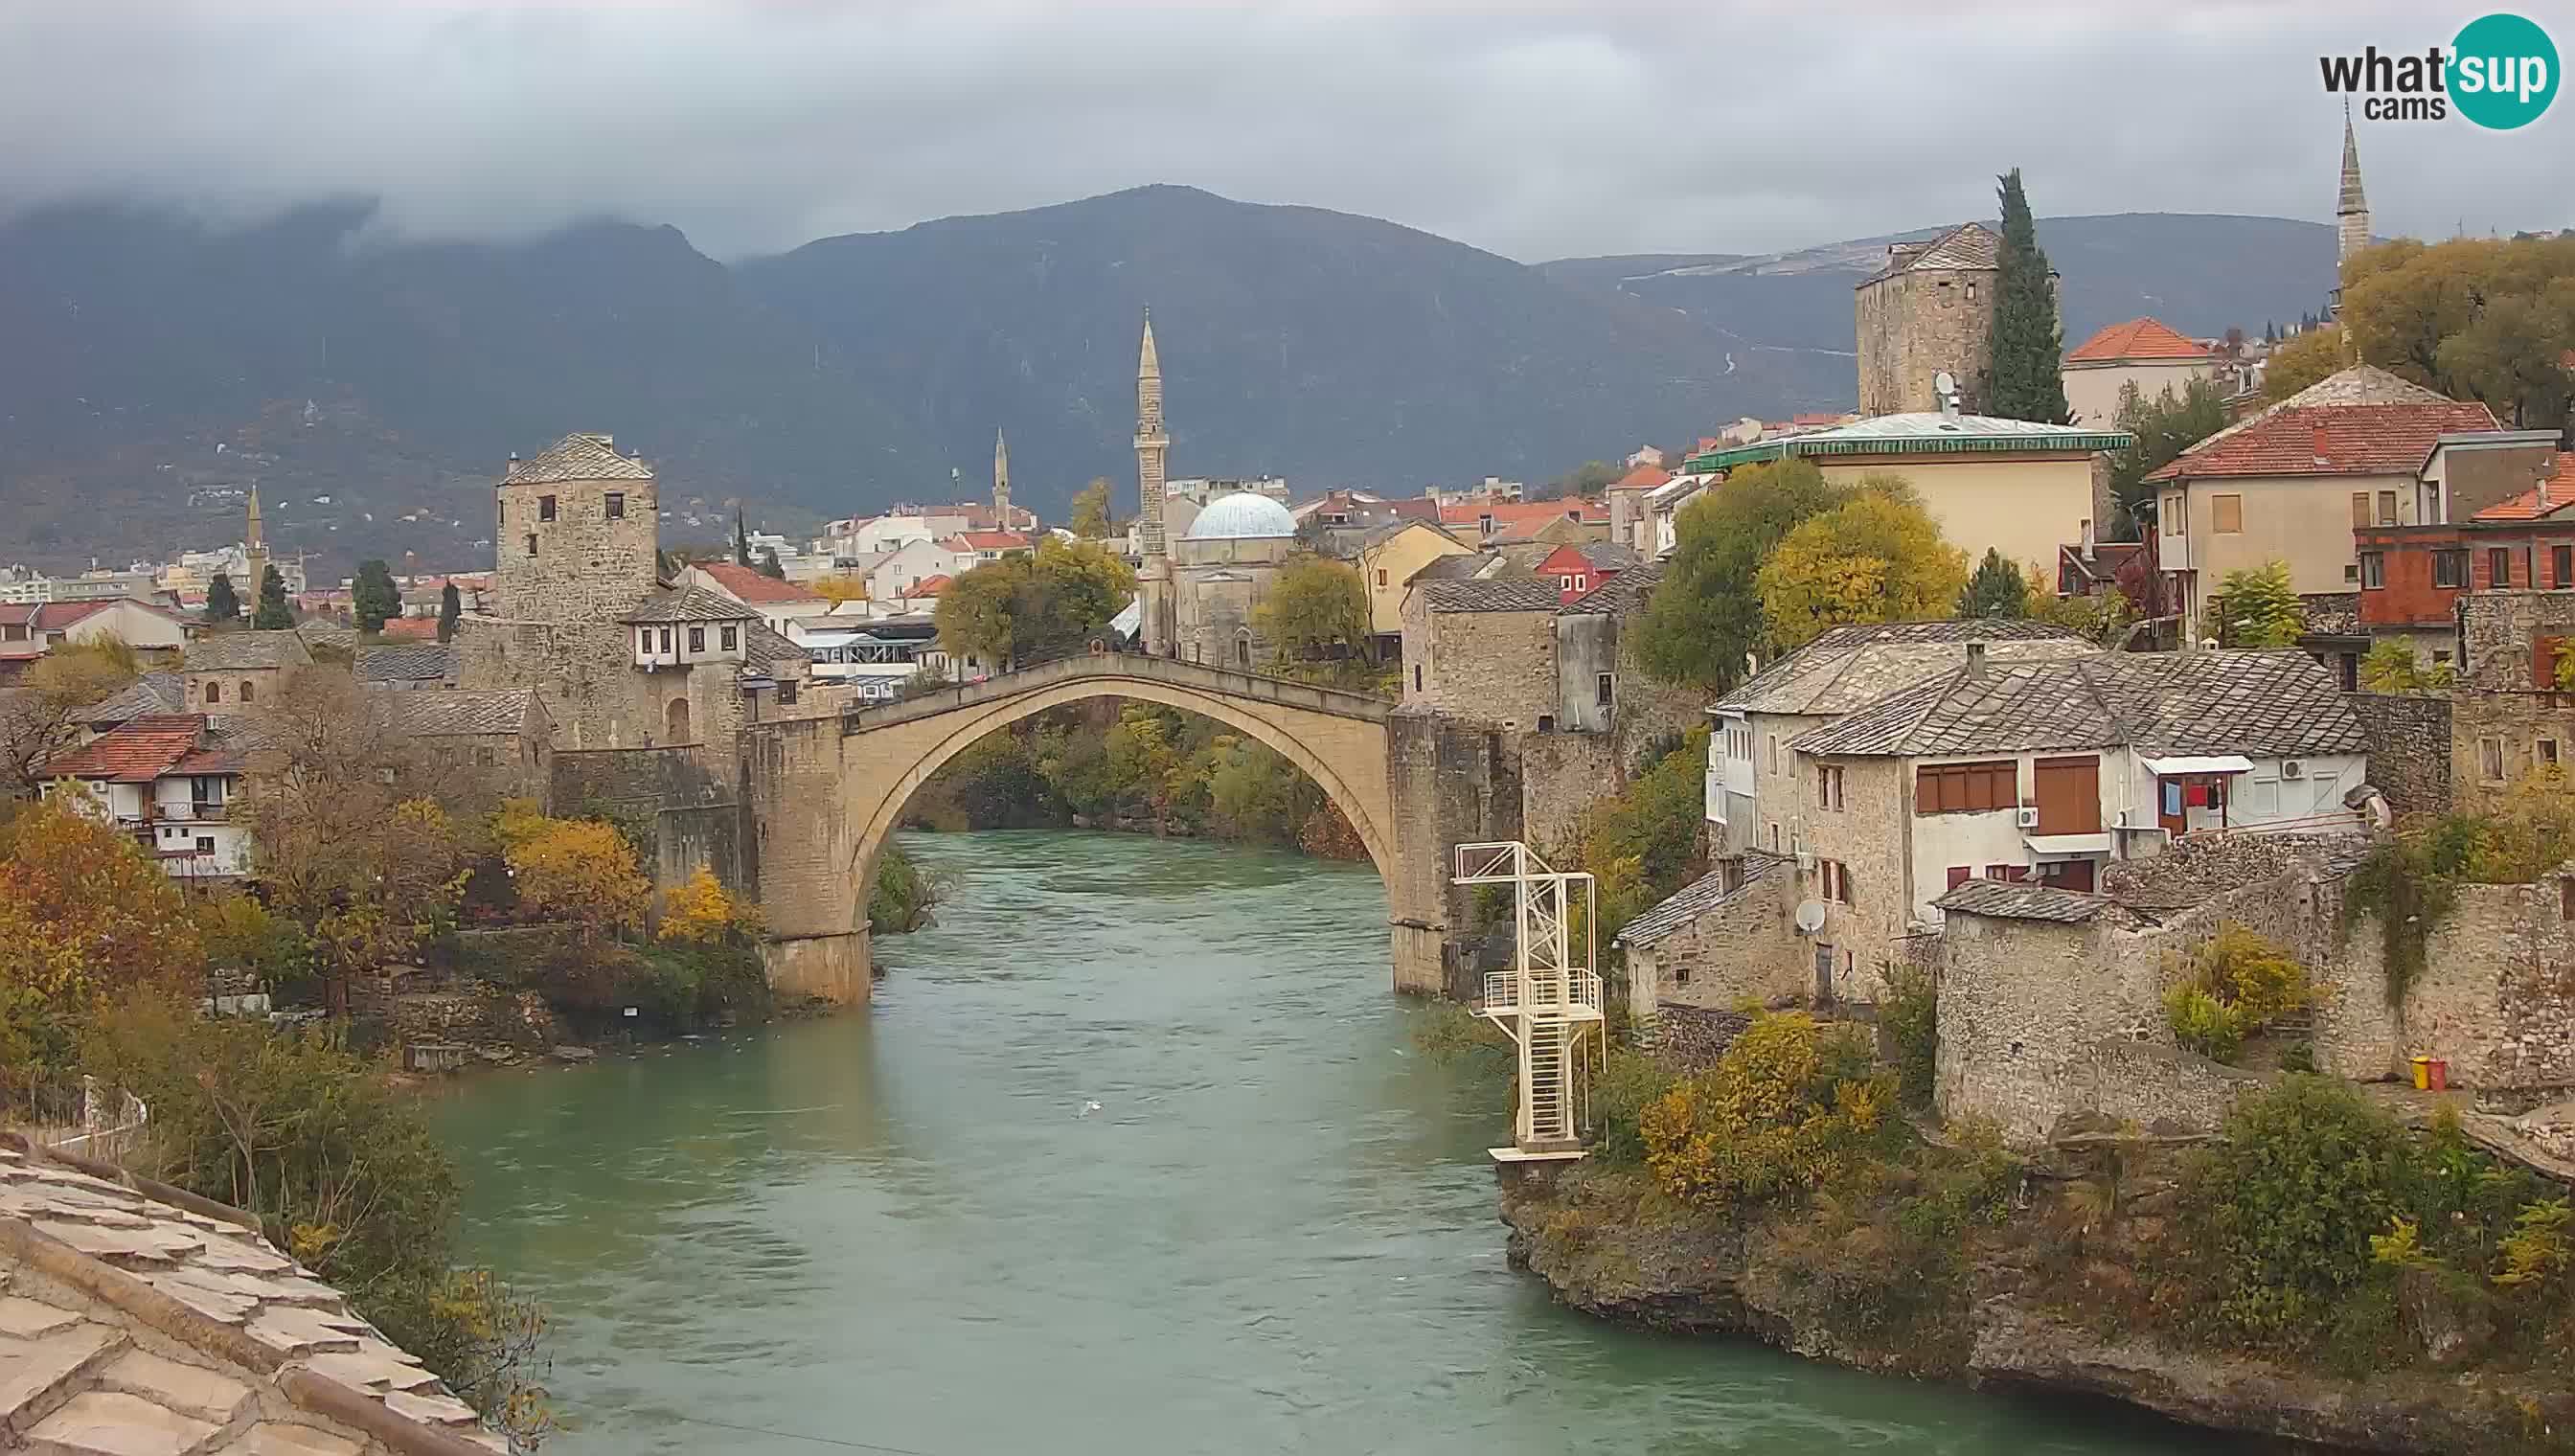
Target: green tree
2258, 608
2163, 428
223, 605
273, 615
373, 597
1877, 557
1316, 605
770, 566
43, 714
1584, 479
1996, 590
740, 539
2486, 319
1090, 513
2300, 361
450, 607
2028, 340
2393, 665
1705, 619
1029, 608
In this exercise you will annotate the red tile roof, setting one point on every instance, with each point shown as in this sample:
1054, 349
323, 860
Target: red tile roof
2559, 483
411, 629
2328, 440
993, 539
2136, 339
1511, 516
1643, 478
137, 751
17, 613
929, 586
751, 588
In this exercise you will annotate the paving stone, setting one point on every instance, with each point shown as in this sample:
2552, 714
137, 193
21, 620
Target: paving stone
275, 1438
222, 1252
32, 1371
370, 1368
444, 1410
26, 1319
112, 1423
296, 1331
187, 1389
149, 1245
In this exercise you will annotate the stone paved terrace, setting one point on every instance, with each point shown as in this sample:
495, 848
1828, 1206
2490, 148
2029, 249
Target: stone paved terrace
138, 1321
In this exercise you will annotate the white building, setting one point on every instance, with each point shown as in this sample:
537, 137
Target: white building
173, 783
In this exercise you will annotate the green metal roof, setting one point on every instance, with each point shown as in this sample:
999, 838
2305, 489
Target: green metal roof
1919, 433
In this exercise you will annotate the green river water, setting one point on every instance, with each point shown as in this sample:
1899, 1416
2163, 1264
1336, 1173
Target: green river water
901, 1231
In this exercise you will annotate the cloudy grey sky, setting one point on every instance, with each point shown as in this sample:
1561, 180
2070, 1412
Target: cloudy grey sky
1535, 128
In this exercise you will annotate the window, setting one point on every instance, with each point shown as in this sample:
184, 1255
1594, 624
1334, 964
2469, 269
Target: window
2177, 514
1582, 583
666, 639
2490, 759
1380, 576
2226, 515
1828, 786
246, 694
2387, 508
545, 508
2499, 568
2545, 750
2360, 515
1604, 689
1966, 788
1546, 723
2561, 566
617, 505
484, 756
2373, 570
1565, 583
1775, 753
1774, 836
643, 639
1834, 880
696, 638
1960, 873
204, 844
532, 543
787, 692
2450, 569
2566, 899
214, 693
731, 638
1416, 676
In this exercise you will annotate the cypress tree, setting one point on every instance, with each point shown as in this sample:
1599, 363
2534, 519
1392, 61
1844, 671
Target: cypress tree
2028, 341
223, 605
770, 566
450, 608
373, 597
272, 615
741, 540
1996, 590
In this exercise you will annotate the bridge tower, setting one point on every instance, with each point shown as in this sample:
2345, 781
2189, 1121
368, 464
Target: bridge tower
1550, 1004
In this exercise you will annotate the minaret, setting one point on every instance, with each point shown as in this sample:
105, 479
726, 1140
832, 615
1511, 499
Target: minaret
2351, 212
1000, 482
254, 553
1154, 578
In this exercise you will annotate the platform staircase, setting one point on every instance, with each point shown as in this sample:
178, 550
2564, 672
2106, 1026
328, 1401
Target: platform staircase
1549, 1001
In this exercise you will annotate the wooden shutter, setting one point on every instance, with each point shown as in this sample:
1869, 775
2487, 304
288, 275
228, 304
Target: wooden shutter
2360, 513
2543, 663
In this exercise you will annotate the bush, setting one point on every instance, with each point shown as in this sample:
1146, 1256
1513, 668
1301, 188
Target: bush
1781, 1113
2237, 984
2204, 1023
1632, 1082
1910, 1012
702, 912
901, 900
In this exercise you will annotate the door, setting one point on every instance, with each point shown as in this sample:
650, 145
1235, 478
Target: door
2069, 792
1824, 974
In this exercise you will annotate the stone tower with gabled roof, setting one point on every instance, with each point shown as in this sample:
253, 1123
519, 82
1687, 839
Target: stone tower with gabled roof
576, 532
1930, 309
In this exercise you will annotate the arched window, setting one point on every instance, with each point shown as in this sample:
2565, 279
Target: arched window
214, 691
675, 720
1242, 648
246, 694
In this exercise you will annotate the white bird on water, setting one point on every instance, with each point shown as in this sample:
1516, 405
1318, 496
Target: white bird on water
1086, 1109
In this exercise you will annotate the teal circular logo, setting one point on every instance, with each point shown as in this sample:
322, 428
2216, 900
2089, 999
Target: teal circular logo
2503, 72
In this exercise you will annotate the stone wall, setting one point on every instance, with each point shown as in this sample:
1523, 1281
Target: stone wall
1562, 776
1450, 782
1913, 324
1495, 666
585, 568
2497, 739
1692, 1038
2496, 998
697, 818
2409, 748
482, 1016
1742, 950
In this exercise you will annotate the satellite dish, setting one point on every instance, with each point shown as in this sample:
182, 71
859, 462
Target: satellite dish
1810, 916
1945, 382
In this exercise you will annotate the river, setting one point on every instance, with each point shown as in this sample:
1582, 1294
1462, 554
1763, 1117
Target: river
912, 1231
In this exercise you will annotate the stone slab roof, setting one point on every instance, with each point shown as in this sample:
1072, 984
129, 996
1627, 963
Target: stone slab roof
1696, 899
242, 651
764, 651
1968, 244
688, 604
2260, 704
152, 692
577, 458
139, 1321
2023, 902
458, 713
1503, 594
407, 663
1849, 668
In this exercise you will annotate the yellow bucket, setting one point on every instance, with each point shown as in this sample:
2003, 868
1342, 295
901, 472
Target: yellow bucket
2422, 1073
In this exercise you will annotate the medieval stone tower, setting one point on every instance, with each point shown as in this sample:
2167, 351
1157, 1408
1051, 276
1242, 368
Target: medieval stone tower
2351, 209
576, 532
1932, 308
1154, 578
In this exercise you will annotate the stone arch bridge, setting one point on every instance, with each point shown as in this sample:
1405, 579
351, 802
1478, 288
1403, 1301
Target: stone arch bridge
823, 792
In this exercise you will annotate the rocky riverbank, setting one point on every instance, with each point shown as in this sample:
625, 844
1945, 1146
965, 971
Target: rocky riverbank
2026, 1305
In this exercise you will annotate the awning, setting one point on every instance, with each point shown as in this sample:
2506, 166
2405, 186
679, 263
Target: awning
2204, 763
2066, 847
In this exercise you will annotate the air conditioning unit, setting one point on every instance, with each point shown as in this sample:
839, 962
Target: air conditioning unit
1806, 863
2027, 818
2294, 769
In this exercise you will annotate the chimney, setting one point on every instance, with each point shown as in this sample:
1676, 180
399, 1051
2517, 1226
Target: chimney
2547, 467
2324, 450
1975, 659
2087, 538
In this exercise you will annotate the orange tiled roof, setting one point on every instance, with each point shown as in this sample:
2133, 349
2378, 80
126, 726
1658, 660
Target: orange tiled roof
929, 586
409, 629
750, 586
2528, 506
992, 540
2136, 339
137, 751
1509, 515
1643, 478
2329, 439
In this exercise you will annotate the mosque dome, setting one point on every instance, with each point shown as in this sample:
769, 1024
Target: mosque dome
1241, 516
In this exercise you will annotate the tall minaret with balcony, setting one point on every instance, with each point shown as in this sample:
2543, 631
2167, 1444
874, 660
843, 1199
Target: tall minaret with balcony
1000, 482
2351, 210
1152, 446
254, 555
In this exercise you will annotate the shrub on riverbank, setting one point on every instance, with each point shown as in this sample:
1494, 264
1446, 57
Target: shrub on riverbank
902, 899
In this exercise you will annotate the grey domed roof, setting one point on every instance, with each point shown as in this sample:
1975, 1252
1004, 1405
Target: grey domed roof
1241, 516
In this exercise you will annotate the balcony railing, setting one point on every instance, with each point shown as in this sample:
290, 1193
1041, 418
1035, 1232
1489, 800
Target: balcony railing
1549, 991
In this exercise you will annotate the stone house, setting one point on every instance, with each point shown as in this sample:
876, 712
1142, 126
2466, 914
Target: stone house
1726, 939
2143, 352
1628, 519
2013, 486
406, 666
2294, 482
1844, 670
499, 739
1582, 568
1483, 649
1658, 529
2508, 716
1929, 310
174, 782
230, 672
